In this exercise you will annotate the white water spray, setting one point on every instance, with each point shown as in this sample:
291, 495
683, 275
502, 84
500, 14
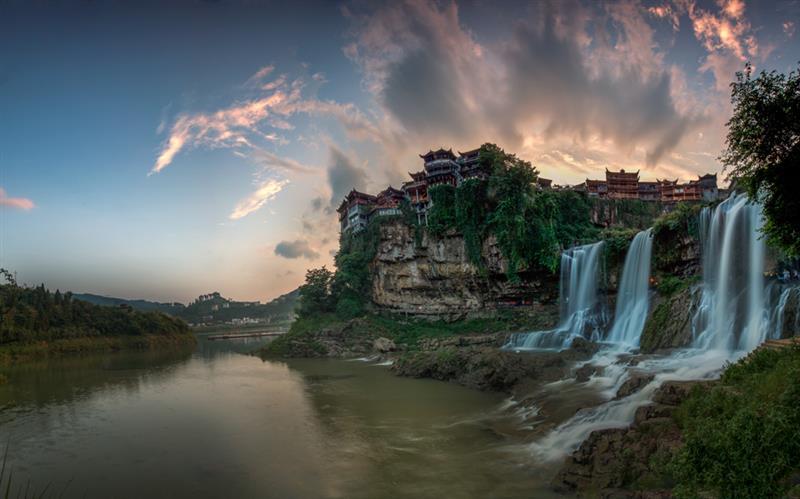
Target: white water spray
633, 299
582, 314
732, 313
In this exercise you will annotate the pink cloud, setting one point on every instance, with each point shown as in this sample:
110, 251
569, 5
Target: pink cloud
18, 203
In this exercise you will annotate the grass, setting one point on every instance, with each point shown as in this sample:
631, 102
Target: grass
407, 332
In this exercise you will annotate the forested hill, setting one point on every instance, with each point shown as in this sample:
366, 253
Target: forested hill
29, 314
142, 305
209, 308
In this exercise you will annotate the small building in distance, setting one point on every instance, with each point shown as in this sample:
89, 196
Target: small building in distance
544, 183
622, 184
354, 210
649, 191
416, 190
387, 202
625, 185
471, 166
596, 188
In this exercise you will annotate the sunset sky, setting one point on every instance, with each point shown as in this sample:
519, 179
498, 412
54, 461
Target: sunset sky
162, 150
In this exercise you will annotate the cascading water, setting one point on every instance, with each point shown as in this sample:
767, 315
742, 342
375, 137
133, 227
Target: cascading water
633, 299
582, 314
732, 313
732, 319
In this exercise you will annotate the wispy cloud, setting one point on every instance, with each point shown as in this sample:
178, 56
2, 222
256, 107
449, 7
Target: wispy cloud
266, 191
17, 203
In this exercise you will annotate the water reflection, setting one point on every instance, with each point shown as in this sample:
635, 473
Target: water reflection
217, 423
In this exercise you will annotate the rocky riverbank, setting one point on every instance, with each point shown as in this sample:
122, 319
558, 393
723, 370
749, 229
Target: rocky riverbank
629, 462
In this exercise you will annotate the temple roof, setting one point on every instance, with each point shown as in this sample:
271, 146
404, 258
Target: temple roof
439, 152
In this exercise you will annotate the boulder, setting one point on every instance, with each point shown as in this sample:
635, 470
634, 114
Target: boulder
633, 384
384, 345
670, 323
583, 373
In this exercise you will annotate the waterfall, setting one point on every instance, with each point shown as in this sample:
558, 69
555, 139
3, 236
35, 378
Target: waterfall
779, 324
732, 312
581, 313
633, 298
733, 318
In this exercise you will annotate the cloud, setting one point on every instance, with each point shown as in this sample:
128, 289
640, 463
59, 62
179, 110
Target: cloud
557, 76
343, 175
296, 249
789, 28
272, 161
17, 203
266, 191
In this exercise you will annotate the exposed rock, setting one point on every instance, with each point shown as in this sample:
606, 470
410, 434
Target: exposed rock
670, 323
434, 277
384, 345
674, 392
618, 462
485, 368
583, 373
633, 384
584, 346
790, 320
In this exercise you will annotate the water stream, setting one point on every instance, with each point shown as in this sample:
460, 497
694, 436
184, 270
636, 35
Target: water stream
582, 313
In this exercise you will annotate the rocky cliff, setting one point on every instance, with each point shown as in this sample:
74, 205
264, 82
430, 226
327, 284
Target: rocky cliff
434, 277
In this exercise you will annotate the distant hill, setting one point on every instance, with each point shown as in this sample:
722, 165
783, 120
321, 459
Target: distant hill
209, 308
142, 305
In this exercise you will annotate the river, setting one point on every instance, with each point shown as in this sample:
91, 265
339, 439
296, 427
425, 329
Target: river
215, 422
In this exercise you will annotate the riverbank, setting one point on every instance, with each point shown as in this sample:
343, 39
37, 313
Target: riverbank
21, 352
326, 335
738, 436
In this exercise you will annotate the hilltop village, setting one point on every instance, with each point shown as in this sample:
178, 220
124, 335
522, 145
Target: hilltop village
443, 167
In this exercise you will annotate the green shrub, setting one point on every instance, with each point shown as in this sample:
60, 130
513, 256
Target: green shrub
742, 436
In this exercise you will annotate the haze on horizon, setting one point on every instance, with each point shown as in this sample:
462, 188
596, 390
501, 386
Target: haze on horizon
163, 151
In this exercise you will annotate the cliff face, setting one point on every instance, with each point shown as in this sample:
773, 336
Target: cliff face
436, 278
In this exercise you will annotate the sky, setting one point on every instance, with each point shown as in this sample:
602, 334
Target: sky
163, 150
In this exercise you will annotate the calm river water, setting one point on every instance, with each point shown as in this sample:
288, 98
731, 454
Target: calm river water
215, 422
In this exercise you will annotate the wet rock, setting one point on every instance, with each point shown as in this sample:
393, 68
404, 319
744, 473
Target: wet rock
484, 368
670, 323
652, 411
674, 392
633, 384
583, 373
384, 345
584, 346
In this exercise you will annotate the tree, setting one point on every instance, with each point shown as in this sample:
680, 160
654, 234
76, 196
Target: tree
315, 294
762, 151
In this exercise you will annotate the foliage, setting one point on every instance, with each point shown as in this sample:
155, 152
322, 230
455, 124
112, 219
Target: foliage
669, 285
511, 188
669, 230
617, 241
471, 213
763, 150
29, 314
442, 213
741, 435
315, 294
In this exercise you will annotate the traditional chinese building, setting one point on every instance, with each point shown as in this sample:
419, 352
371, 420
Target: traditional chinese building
544, 183
622, 185
387, 202
416, 191
596, 188
354, 211
441, 168
649, 191
471, 166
